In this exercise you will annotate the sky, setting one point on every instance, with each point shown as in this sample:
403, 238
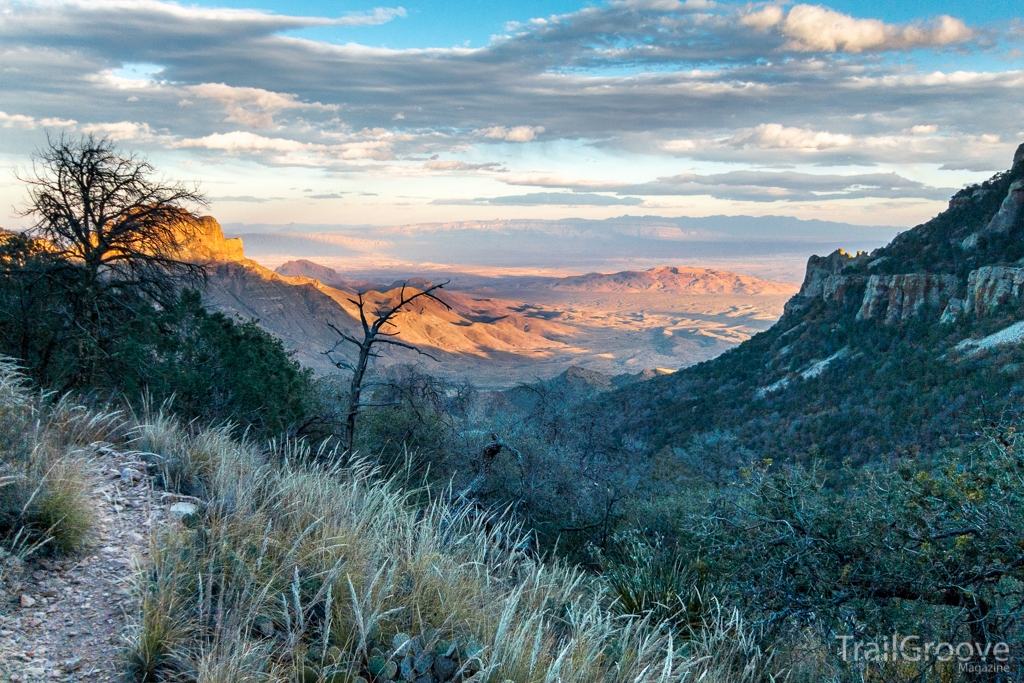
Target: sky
341, 112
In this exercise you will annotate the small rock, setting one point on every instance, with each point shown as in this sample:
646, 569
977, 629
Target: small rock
179, 510
35, 671
131, 475
28, 601
72, 664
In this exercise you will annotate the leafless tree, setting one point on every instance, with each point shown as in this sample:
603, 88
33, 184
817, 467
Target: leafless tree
381, 331
103, 211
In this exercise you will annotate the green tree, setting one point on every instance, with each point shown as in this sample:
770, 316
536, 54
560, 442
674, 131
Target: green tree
933, 546
117, 230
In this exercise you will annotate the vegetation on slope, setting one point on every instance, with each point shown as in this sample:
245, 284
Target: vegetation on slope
99, 298
43, 445
890, 387
291, 570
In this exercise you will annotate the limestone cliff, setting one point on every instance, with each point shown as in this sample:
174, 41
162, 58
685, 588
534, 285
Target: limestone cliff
824, 279
207, 244
897, 298
964, 261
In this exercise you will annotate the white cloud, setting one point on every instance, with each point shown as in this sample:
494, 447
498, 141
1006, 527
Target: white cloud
764, 18
120, 130
451, 165
667, 5
777, 136
17, 121
514, 134
31, 123
240, 103
379, 15
244, 141
813, 28
924, 130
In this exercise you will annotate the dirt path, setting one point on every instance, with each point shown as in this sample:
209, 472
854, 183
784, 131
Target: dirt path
66, 620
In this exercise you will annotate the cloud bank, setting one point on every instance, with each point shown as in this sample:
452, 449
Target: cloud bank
853, 106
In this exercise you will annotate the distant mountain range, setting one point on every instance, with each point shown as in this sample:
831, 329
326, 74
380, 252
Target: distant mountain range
777, 244
913, 345
663, 279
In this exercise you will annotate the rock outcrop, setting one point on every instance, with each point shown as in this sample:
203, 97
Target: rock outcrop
821, 269
1004, 220
988, 288
897, 298
207, 244
824, 280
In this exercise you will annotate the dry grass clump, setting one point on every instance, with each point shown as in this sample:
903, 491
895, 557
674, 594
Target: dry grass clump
181, 457
44, 444
293, 571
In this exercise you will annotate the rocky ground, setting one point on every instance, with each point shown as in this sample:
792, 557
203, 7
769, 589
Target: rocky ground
67, 619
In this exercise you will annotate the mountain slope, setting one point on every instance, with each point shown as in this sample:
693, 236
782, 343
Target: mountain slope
298, 309
507, 330
872, 355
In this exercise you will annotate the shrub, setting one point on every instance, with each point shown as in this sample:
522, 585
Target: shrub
44, 445
932, 547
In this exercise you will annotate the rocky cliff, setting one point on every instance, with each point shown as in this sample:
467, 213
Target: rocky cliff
897, 298
965, 261
207, 244
905, 347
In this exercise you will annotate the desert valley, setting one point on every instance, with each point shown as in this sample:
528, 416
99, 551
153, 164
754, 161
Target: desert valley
505, 329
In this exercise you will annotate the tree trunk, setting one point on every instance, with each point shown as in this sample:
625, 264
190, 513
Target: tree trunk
354, 395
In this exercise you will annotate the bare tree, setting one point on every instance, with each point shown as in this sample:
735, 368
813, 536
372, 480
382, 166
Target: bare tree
381, 331
103, 210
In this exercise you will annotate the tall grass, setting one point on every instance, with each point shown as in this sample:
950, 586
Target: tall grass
44, 446
295, 571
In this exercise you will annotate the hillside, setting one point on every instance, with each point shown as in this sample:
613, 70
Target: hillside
904, 348
298, 309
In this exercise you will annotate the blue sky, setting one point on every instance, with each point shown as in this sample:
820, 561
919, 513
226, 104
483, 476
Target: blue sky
410, 112
474, 22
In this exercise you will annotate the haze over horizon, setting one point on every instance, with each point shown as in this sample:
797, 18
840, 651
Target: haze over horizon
859, 111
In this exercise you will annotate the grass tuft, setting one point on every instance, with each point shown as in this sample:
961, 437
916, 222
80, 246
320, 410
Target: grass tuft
300, 571
44, 448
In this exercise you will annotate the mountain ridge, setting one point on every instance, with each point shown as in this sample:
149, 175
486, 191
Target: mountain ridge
903, 347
